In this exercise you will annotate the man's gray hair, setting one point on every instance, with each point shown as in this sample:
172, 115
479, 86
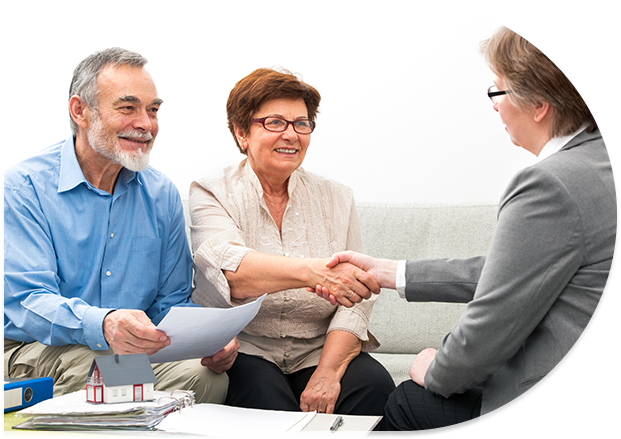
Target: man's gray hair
84, 82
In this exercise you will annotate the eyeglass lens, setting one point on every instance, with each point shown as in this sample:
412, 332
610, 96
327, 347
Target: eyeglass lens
302, 126
494, 94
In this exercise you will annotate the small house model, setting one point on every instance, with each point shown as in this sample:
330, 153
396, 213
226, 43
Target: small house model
120, 378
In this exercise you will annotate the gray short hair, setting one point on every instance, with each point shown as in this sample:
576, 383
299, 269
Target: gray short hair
84, 81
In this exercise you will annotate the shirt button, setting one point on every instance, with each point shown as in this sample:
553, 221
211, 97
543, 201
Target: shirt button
282, 335
108, 273
287, 354
111, 235
98, 345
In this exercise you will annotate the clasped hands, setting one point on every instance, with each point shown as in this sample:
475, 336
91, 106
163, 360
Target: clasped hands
371, 274
130, 331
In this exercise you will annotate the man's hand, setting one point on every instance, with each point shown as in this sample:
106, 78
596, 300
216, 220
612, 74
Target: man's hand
382, 271
365, 262
321, 393
222, 361
421, 364
130, 331
346, 283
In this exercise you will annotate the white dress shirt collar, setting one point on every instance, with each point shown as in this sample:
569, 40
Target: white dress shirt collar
556, 143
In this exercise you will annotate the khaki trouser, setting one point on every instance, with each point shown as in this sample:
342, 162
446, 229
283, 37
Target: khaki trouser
69, 365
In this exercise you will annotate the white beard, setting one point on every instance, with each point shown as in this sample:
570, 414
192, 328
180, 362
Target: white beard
109, 147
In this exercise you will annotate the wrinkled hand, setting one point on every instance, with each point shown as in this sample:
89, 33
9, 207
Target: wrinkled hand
222, 361
421, 364
345, 283
130, 331
321, 393
365, 263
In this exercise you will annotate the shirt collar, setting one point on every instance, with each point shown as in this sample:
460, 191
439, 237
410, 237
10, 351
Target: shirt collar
71, 174
555, 144
252, 176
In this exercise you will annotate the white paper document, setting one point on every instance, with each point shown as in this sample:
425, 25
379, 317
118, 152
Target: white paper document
201, 332
224, 421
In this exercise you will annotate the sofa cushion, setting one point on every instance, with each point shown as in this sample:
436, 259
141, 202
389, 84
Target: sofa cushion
417, 231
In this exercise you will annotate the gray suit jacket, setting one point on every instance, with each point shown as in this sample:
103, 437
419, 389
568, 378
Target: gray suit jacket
532, 296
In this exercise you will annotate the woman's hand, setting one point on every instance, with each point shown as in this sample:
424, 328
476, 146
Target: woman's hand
324, 386
260, 273
382, 271
222, 361
321, 393
344, 282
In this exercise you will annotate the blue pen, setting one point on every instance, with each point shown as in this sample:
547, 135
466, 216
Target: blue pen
337, 423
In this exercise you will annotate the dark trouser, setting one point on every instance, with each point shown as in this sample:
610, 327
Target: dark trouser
258, 383
411, 407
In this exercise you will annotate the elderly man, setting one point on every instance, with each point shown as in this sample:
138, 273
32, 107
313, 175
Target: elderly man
95, 247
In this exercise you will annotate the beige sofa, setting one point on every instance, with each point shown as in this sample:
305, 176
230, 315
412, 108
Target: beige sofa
414, 231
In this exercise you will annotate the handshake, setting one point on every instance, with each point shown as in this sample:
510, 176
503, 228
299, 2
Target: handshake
369, 274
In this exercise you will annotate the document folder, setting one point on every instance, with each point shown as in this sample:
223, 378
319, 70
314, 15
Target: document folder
24, 392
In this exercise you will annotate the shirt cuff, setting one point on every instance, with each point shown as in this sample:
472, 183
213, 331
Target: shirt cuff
93, 328
400, 280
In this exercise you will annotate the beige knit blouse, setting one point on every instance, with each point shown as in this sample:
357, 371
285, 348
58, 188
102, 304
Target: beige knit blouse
229, 218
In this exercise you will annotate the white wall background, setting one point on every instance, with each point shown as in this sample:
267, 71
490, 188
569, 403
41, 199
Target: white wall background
404, 114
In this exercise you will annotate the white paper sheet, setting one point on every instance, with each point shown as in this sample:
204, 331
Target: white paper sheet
201, 332
224, 421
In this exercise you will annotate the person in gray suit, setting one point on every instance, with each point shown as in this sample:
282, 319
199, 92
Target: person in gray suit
534, 293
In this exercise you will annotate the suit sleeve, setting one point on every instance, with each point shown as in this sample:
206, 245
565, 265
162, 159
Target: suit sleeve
442, 280
536, 249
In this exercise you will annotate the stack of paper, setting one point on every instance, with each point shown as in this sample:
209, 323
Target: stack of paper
73, 412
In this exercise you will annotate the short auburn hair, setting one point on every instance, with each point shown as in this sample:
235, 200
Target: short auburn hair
261, 86
532, 78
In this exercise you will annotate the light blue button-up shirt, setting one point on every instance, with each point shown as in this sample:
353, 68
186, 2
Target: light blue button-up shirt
73, 253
